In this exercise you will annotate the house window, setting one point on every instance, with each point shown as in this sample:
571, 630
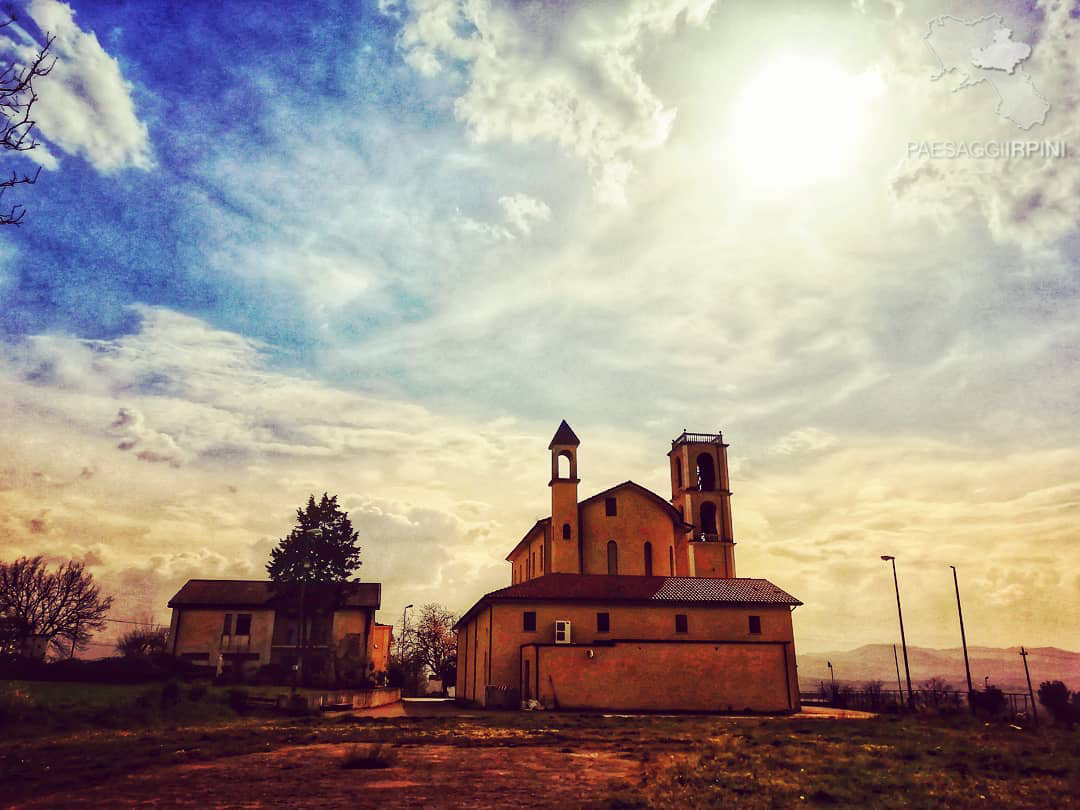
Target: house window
529, 621
612, 557
243, 624
609, 507
755, 625
678, 473
566, 531
541, 559
226, 629
603, 623
671, 559
680, 622
648, 559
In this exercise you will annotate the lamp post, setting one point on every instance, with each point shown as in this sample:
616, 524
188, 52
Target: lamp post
963, 638
896, 661
903, 639
832, 678
404, 613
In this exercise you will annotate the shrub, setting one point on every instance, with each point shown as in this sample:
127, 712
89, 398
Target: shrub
368, 755
238, 700
1055, 696
990, 702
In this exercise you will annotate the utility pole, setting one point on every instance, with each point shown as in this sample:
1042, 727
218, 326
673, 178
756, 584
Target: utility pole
963, 638
1031, 692
903, 639
897, 662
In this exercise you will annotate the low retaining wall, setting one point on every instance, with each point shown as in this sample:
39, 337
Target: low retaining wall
354, 698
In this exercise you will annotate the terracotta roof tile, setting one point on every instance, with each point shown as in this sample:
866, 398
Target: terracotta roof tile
260, 593
628, 588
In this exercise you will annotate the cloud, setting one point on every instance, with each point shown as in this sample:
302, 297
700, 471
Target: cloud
84, 105
148, 445
1029, 201
523, 211
569, 77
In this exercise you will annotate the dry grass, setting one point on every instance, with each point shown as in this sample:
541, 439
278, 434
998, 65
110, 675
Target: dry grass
368, 755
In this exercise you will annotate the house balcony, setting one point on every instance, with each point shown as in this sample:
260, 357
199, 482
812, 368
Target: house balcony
235, 643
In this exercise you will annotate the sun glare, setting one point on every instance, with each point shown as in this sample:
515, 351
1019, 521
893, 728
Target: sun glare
800, 121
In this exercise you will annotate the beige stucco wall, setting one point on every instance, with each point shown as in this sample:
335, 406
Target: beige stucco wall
476, 669
198, 630
638, 519
666, 675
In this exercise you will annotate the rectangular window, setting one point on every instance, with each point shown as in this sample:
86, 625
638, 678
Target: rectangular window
243, 624
609, 507
680, 622
755, 625
603, 623
226, 630
529, 621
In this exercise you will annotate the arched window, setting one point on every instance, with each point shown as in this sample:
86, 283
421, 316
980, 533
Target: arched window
706, 473
648, 559
708, 518
671, 559
565, 466
566, 531
678, 473
612, 557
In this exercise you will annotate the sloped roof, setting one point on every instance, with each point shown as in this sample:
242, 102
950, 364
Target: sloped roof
533, 528
564, 435
611, 588
261, 593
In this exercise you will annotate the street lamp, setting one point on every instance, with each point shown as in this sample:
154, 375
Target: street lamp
963, 638
903, 639
401, 650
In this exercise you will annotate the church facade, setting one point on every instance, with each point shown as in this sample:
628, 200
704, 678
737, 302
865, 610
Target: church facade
628, 601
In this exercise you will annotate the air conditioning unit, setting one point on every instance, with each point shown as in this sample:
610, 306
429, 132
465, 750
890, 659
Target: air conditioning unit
562, 632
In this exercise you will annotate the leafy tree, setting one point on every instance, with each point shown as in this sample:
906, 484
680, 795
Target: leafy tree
435, 642
63, 605
17, 97
141, 641
1055, 696
321, 548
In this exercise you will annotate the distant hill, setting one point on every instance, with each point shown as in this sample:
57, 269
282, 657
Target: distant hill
1004, 666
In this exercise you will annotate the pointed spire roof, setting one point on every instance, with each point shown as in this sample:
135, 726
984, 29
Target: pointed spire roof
564, 435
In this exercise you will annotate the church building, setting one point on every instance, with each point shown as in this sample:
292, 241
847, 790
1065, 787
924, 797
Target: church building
628, 601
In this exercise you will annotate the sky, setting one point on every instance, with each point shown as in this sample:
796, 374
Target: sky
381, 249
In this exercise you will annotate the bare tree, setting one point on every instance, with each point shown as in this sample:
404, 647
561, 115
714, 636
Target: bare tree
17, 97
64, 606
435, 642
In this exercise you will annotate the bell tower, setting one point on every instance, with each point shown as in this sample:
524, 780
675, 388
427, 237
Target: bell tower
564, 550
701, 492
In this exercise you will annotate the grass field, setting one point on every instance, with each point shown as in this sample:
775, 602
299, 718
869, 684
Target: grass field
444, 756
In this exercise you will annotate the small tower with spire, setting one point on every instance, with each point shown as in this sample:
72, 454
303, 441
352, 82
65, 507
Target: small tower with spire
564, 552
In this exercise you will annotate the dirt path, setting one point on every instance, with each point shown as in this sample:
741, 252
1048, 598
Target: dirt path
422, 776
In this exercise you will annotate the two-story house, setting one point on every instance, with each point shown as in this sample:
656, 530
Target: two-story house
242, 625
